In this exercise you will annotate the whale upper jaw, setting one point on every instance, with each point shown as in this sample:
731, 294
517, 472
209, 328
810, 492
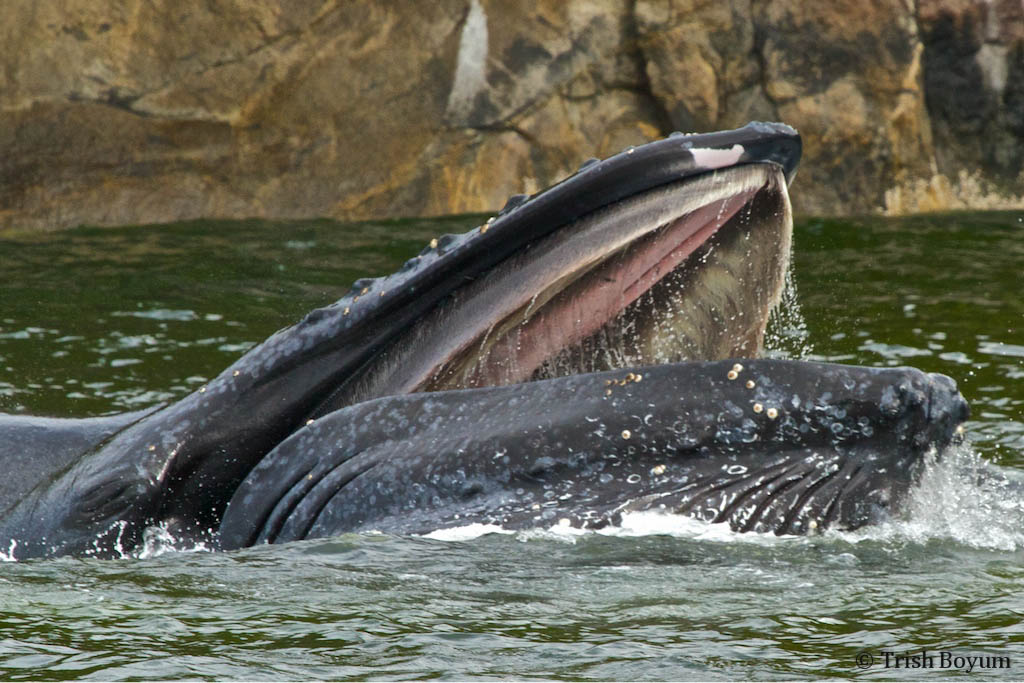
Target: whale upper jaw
688, 271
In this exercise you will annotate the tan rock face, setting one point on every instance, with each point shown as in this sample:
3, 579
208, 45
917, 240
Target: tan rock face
133, 112
851, 72
700, 58
137, 114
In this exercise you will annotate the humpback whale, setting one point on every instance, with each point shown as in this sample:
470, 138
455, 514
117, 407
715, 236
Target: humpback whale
590, 350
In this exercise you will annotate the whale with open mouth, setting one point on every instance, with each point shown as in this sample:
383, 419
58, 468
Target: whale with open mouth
591, 350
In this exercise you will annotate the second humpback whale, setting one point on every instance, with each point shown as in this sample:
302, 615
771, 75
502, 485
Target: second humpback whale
591, 350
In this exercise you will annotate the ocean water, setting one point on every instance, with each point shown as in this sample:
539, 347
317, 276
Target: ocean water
94, 321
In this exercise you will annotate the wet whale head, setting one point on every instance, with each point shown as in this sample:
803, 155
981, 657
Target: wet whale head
590, 350
763, 445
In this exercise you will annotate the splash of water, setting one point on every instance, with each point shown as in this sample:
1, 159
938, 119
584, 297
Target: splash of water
159, 540
787, 335
965, 498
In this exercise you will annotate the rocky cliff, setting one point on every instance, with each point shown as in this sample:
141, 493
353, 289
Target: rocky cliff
134, 111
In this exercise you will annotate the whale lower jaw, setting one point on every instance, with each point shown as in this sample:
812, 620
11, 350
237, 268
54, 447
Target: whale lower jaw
776, 446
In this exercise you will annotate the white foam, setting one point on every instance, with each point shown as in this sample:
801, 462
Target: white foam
466, 533
633, 524
9, 555
158, 540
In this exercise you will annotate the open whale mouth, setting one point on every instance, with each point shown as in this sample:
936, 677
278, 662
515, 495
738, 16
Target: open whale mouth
690, 271
670, 260
670, 257
673, 274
